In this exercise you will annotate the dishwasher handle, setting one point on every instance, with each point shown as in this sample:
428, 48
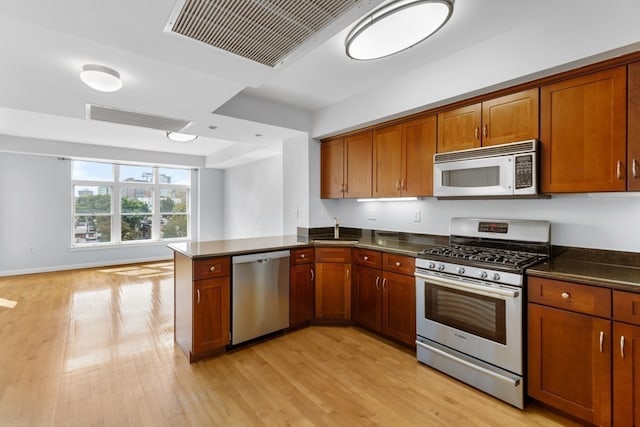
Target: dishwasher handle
263, 257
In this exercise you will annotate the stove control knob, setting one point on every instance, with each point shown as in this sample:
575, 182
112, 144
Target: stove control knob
432, 265
440, 267
495, 276
460, 270
483, 274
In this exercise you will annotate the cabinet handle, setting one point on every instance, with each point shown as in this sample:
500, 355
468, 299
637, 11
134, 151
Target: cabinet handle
378, 282
622, 346
346, 188
403, 184
601, 340
366, 258
633, 169
476, 132
312, 275
303, 256
397, 185
397, 263
485, 131
565, 295
384, 282
198, 292
618, 169
212, 268
347, 273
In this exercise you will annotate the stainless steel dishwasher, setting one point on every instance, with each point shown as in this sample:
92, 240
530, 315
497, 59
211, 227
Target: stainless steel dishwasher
260, 295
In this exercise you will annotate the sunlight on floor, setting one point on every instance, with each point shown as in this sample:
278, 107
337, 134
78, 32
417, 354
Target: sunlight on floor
144, 271
7, 303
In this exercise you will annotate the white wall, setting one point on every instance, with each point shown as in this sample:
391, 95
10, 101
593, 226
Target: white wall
36, 204
253, 200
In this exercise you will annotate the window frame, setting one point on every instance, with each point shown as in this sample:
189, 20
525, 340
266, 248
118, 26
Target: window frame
116, 215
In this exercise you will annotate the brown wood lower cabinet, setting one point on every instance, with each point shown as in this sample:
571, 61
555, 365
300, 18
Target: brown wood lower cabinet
626, 358
584, 357
567, 369
202, 297
211, 314
333, 283
384, 301
302, 294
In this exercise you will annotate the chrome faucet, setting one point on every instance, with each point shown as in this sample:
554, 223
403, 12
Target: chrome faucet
336, 229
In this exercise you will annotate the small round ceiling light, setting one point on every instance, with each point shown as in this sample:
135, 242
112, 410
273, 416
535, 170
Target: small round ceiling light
101, 78
181, 137
396, 26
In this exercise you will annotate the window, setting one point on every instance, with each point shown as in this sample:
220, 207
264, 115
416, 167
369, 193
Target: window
128, 203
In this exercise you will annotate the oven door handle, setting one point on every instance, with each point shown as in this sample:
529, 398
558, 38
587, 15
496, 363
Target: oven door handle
470, 287
511, 381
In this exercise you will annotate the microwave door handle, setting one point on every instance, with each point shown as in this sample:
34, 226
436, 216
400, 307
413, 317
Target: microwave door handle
470, 287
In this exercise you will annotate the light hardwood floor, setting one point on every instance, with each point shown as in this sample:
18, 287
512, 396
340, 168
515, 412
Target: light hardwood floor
95, 347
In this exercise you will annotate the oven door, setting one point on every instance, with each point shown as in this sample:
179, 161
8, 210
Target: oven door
489, 176
480, 319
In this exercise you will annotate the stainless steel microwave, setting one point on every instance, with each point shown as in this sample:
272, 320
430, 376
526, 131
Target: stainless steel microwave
494, 171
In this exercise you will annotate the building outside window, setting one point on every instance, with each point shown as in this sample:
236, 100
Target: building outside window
128, 203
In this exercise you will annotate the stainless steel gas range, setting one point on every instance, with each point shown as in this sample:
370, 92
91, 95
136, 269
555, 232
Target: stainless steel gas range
469, 302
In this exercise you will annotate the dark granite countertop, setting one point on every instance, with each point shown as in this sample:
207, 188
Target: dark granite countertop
610, 269
393, 242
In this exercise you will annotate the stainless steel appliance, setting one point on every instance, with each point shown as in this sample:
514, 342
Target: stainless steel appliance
260, 295
496, 171
469, 302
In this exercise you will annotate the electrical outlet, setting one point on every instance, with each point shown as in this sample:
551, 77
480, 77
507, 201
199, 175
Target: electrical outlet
371, 216
416, 216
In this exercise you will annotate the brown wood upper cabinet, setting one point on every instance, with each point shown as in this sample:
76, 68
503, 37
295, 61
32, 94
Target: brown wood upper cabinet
346, 167
583, 133
509, 118
403, 158
633, 128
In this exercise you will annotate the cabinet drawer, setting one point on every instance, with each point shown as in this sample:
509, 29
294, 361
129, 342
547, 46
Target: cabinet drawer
333, 254
570, 296
302, 256
368, 258
626, 307
207, 268
399, 264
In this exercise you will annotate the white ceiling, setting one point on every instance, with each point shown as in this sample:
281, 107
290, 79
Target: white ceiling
45, 43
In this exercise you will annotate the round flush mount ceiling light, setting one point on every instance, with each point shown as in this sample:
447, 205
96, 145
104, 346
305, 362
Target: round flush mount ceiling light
396, 26
101, 78
181, 137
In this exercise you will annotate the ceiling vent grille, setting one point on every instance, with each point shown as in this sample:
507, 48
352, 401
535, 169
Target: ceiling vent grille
265, 31
124, 117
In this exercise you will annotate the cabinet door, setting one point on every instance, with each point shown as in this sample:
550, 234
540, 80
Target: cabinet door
399, 307
419, 147
583, 133
626, 374
302, 294
367, 297
358, 165
332, 169
387, 161
211, 314
333, 291
570, 362
459, 129
633, 128
510, 118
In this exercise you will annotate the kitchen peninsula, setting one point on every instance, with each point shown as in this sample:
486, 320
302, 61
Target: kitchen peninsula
203, 278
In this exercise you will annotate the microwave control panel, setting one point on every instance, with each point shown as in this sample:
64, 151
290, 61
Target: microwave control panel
524, 171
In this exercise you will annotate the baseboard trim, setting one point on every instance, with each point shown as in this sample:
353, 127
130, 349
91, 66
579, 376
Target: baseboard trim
50, 269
